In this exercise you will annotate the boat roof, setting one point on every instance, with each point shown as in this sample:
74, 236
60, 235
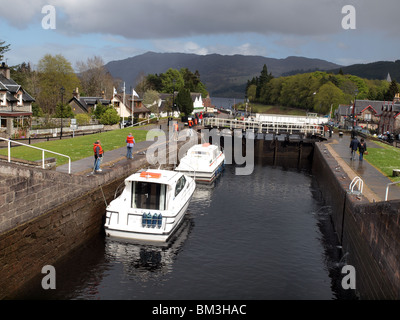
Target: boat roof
155, 176
204, 146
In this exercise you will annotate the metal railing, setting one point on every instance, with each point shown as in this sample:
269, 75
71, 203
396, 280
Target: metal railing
43, 152
265, 126
356, 180
387, 189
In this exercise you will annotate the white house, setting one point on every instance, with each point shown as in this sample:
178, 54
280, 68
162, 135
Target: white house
15, 104
123, 104
198, 105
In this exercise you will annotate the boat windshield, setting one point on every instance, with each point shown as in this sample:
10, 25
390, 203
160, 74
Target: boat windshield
148, 195
200, 154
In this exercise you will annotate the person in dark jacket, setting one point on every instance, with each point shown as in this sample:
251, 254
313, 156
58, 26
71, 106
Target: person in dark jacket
353, 147
362, 147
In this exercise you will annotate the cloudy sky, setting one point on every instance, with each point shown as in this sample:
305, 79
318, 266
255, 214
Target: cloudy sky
120, 29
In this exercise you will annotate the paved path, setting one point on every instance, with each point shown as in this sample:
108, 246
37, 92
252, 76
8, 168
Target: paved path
85, 166
375, 182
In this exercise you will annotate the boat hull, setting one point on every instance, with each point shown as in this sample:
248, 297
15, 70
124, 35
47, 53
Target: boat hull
148, 234
203, 176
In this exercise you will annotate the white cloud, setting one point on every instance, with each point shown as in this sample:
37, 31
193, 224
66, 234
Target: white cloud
157, 19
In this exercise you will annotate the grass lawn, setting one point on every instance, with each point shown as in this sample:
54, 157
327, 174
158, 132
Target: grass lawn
77, 148
385, 159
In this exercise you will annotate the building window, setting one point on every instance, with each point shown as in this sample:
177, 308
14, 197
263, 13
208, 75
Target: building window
367, 117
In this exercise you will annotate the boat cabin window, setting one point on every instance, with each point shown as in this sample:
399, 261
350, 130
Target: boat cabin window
148, 195
198, 153
180, 185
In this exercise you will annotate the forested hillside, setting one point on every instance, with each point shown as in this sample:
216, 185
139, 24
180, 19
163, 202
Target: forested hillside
222, 75
317, 91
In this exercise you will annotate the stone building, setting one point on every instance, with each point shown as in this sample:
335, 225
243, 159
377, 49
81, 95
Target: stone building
389, 119
366, 113
15, 105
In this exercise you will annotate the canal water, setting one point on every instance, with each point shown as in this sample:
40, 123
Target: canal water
267, 235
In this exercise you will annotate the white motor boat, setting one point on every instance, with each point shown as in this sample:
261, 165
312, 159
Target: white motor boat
151, 206
204, 162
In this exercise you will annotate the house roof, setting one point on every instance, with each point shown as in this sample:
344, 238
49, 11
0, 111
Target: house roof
128, 103
361, 106
11, 88
86, 102
395, 108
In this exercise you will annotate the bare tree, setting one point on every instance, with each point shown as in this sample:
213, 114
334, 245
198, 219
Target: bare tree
95, 79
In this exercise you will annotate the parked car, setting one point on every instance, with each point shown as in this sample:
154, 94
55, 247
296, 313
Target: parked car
209, 115
126, 123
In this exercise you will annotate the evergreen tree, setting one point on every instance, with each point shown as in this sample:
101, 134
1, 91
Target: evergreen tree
3, 49
184, 101
264, 78
392, 91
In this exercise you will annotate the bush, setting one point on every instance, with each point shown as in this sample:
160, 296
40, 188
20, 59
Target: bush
109, 117
82, 119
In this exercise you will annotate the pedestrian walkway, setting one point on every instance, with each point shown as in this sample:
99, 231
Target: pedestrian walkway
375, 182
85, 166
111, 157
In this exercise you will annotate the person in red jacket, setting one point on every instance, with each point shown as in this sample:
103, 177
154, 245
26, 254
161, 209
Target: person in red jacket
98, 155
130, 142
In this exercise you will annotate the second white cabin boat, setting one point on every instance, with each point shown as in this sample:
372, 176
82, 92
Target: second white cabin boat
204, 162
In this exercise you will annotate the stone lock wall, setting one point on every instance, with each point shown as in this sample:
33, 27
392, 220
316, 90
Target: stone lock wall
368, 232
44, 215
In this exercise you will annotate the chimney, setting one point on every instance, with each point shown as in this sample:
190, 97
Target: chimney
76, 93
5, 70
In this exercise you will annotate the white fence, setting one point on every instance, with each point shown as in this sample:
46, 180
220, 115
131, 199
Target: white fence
33, 147
56, 131
265, 126
290, 119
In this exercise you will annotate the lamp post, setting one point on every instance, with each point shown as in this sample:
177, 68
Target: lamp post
62, 91
354, 108
173, 97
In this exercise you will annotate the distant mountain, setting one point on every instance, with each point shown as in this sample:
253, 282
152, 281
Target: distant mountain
224, 76
375, 70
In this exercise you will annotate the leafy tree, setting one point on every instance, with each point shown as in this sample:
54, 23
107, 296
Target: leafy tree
99, 110
251, 92
149, 98
184, 101
109, 117
328, 95
36, 110
172, 80
63, 111
55, 72
153, 82
94, 77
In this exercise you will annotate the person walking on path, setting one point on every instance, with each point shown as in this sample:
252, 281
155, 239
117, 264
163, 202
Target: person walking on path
98, 155
353, 147
362, 147
130, 142
176, 129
